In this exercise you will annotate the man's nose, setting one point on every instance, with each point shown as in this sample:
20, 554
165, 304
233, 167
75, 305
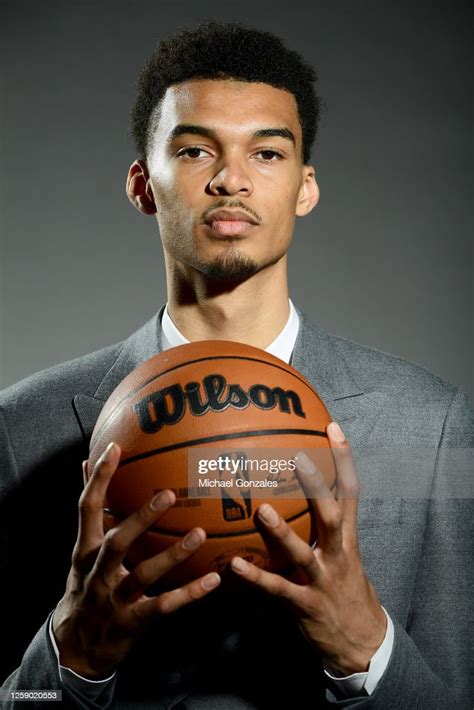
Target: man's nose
231, 179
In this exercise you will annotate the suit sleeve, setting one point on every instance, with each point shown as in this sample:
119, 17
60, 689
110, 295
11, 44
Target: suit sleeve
430, 662
39, 669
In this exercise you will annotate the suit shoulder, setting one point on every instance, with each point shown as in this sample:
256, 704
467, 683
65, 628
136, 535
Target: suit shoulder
61, 381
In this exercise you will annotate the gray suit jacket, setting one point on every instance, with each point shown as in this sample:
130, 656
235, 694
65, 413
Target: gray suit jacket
228, 652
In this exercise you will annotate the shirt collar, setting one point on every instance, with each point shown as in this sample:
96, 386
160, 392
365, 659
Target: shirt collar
281, 347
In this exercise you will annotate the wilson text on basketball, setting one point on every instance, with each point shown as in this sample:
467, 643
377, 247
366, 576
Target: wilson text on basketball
168, 405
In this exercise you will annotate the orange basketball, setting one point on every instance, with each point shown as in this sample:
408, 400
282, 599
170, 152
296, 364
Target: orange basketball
195, 403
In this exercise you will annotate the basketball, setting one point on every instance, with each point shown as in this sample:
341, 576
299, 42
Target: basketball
197, 401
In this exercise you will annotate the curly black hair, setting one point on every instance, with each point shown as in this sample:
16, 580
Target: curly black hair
212, 50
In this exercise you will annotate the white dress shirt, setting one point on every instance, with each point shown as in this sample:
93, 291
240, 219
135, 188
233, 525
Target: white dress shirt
349, 686
281, 347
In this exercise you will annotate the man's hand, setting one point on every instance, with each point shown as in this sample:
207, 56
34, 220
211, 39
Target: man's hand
336, 607
104, 607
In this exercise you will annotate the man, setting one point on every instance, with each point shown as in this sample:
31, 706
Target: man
224, 121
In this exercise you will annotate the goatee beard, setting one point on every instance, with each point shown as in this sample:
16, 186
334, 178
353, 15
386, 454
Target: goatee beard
232, 266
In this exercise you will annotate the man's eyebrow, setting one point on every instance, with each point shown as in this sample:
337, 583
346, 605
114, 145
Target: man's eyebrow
279, 132
186, 128
183, 128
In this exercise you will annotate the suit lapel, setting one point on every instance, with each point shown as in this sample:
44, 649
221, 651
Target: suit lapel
325, 361
87, 410
140, 346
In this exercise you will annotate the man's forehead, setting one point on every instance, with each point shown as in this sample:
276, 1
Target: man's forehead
227, 102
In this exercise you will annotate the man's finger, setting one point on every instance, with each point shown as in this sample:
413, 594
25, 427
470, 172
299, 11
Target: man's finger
324, 506
91, 502
168, 602
117, 541
347, 487
149, 571
268, 581
297, 551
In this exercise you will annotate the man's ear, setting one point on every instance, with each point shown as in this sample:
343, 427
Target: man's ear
308, 196
138, 188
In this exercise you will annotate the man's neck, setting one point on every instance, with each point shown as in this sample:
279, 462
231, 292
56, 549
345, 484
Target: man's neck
254, 312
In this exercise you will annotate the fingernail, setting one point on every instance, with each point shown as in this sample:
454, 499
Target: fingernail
211, 580
239, 564
336, 432
268, 515
304, 463
107, 455
160, 501
192, 539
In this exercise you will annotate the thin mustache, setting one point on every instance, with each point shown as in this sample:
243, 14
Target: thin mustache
236, 204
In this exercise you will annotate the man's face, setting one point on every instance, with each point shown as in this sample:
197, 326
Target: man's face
226, 175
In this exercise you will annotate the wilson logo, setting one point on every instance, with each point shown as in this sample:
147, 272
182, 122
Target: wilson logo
168, 405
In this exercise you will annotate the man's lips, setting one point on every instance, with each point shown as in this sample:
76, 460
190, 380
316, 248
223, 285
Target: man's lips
229, 223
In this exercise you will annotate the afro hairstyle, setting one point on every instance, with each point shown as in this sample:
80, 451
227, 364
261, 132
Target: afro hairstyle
212, 50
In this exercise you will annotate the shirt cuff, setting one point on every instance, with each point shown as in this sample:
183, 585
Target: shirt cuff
354, 684
90, 688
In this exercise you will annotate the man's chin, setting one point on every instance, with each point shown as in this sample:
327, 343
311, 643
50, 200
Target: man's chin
230, 268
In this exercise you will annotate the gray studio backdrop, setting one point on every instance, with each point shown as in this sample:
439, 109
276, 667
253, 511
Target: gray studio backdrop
385, 258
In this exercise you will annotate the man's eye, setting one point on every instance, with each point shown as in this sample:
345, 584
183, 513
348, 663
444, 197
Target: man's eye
192, 152
270, 156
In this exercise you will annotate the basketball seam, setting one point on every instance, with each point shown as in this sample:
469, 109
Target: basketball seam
219, 437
